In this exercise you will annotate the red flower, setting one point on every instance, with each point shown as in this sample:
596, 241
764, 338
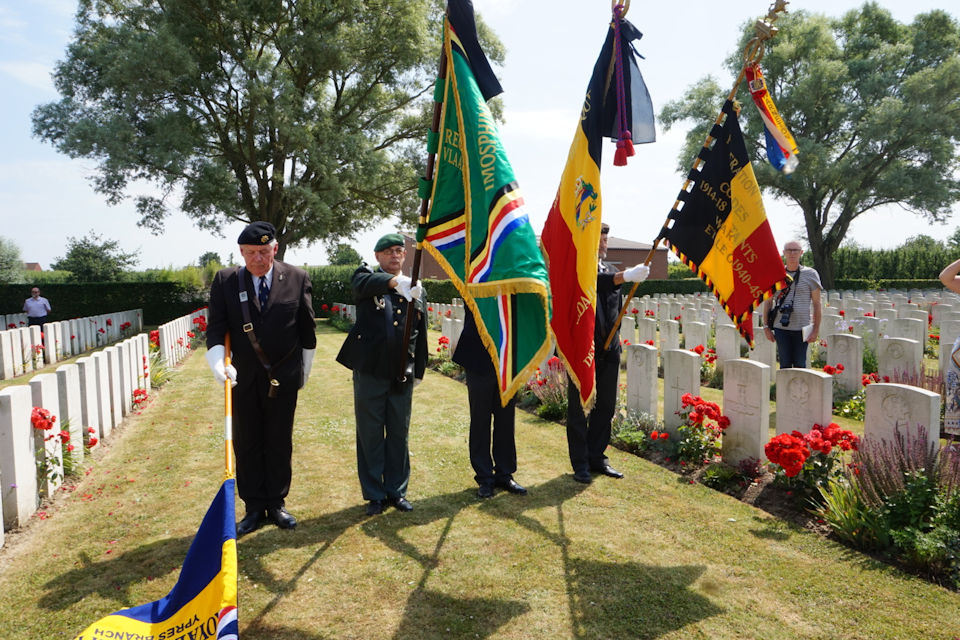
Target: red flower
664, 435
191, 334
335, 308
92, 442
109, 322
886, 378
635, 311
11, 326
649, 342
69, 447
64, 436
842, 313
654, 435
648, 313
324, 307
626, 342
829, 370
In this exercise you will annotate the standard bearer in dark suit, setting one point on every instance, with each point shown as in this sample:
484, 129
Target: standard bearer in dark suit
483, 392
266, 307
589, 435
382, 394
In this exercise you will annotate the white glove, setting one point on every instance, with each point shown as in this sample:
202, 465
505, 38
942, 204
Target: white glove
308, 363
215, 356
638, 273
403, 286
416, 291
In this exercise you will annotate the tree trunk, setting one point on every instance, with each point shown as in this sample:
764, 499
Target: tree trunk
822, 253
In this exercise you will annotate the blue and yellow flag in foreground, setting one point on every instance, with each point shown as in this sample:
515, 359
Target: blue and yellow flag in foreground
476, 226
203, 603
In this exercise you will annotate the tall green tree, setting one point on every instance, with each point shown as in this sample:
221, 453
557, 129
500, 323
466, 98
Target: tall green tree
874, 106
209, 257
311, 115
93, 259
11, 267
344, 253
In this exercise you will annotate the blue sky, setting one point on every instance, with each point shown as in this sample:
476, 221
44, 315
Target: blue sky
46, 197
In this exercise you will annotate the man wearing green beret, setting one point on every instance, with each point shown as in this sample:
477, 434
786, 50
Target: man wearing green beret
382, 392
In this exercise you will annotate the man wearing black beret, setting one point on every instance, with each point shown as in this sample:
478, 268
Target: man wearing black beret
266, 306
382, 394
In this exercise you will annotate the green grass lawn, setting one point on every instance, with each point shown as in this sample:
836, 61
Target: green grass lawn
649, 556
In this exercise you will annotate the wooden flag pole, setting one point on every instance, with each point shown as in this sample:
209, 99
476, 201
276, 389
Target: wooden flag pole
227, 411
753, 53
422, 220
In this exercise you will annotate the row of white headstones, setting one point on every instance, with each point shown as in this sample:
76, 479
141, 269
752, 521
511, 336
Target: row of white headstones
896, 329
90, 398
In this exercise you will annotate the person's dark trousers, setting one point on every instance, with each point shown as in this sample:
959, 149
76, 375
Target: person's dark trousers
383, 424
791, 349
588, 436
263, 444
484, 395
36, 322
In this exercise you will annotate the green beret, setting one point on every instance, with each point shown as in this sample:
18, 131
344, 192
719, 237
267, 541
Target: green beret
389, 240
257, 233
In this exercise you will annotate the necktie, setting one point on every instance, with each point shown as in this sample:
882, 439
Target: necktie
263, 292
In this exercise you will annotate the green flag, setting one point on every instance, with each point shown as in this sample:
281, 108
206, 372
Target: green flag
476, 226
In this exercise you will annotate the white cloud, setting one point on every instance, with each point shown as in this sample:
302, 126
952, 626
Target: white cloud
32, 74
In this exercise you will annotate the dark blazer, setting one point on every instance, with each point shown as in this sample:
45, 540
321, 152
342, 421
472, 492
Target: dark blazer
608, 308
373, 344
283, 328
470, 353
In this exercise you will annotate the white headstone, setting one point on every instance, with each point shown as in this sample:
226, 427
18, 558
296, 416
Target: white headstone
892, 407
126, 373
26, 345
89, 400
116, 398
102, 367
804, 398
18, 468
846, 349
71, 410
746, 401
646, 330
694, 333
642, 378
669, 335
897, 358
36, 339
44, 393
6, 355
727, 343
681, 374
764, 351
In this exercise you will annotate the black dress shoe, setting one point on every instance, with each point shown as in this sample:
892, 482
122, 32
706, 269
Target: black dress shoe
607, 470
583, 476
485, 491
401, 504
280, 517
250, 523
512, 486
374, 507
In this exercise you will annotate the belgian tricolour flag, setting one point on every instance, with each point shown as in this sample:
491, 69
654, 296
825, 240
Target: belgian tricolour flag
571, 234
203, 603
477, 226
721, 229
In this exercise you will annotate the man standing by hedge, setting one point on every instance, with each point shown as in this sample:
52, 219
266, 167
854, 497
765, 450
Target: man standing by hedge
36, 307
267, 308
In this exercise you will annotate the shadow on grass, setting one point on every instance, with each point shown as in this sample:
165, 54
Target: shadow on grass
606, 599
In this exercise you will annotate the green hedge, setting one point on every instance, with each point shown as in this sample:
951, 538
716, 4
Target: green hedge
160, 301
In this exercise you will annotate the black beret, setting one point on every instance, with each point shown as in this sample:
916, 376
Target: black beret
257, 233
389, 240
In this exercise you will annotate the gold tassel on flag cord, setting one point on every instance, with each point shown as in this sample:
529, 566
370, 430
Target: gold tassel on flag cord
753, 53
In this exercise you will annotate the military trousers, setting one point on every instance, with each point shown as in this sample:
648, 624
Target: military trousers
382, 412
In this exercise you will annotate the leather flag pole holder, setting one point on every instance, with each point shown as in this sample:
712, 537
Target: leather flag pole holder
252, 336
